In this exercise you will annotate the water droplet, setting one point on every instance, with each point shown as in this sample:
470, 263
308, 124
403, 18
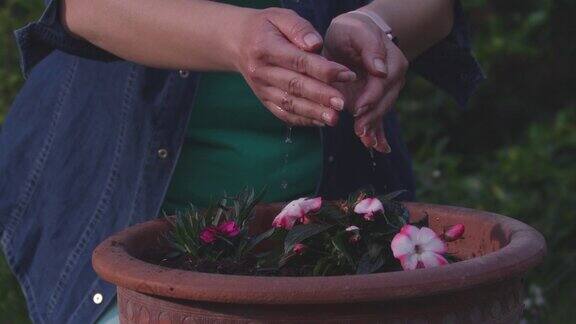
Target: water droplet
372, 159
288, 139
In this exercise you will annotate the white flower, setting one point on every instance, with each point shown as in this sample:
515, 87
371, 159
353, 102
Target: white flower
418, 248
368, 207
296, 210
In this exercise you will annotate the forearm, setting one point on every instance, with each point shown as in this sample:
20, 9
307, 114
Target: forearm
175, 34
418, 24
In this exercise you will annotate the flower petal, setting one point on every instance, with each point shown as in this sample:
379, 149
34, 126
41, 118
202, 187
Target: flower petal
229, 228
411, 231
409, 261
429, 241
311, 205
402, 245
431, 259
208, 235
368, 205
424, 235
352, 228
289, 215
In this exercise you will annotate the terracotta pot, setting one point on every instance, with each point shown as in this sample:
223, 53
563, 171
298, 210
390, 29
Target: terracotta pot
485, 288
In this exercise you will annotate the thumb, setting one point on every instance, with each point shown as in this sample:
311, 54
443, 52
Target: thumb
298, 30
374, 59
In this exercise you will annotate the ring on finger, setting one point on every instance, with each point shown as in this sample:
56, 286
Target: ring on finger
284, 98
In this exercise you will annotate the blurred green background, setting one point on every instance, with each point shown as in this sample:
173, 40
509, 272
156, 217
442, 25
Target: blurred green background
512, 152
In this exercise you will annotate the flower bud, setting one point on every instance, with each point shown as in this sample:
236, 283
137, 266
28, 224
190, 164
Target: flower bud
454, 232
354, 238
299, 248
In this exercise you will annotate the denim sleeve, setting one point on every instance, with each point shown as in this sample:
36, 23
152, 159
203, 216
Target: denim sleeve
38, 39
450, 64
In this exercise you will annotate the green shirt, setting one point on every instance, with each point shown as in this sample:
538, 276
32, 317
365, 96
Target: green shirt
233, 141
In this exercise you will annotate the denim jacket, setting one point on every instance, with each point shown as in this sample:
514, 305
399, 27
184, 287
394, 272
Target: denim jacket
91, 141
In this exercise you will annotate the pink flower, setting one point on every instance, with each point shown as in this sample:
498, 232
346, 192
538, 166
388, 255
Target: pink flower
296, 210
228, 228
208, 235
299, 248
454, 232
368, 207
418, 248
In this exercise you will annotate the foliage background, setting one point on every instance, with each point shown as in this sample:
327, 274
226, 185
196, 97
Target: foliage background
513, 151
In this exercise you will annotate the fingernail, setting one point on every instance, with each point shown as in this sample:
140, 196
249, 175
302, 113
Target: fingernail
326, 117
312, 40
360, 111
319, 124
387, 148
346, 76
337, 103
363, 132
380, 66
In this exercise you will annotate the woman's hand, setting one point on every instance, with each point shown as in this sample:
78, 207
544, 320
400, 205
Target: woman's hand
276, 57
357, 42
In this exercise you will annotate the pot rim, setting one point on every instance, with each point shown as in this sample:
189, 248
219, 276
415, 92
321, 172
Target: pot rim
526, 249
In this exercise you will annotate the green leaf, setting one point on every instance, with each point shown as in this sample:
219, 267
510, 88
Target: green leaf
331, 211
368, 264
257, 239
285, 258
393, 195
319, 268
339, 242
374, 250
299, 233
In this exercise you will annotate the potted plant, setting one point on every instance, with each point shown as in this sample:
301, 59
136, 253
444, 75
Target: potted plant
365, 259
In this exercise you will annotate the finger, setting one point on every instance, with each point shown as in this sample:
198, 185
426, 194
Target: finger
297, 29
370, 95
301, 107
290, 57
290, 119
373, 54
373, 118
299, 85
380, 143
368, 139
376, 87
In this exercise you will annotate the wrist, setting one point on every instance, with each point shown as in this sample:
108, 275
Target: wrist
374, 18
236, 37
226, 34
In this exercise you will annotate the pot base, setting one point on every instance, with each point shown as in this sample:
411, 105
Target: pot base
499, 303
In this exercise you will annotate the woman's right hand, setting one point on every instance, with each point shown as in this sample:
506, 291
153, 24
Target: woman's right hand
276, 54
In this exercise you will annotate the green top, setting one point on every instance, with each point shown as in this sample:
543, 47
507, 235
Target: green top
233, 141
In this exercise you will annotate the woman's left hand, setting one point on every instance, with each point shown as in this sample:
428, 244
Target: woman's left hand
358, 43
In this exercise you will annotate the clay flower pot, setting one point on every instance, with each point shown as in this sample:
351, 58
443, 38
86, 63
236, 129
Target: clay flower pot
484, 288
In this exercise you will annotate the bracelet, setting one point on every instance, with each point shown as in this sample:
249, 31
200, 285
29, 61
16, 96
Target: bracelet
376, 19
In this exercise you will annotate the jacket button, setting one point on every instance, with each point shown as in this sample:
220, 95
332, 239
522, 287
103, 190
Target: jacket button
183, 73
97, 298
162, 153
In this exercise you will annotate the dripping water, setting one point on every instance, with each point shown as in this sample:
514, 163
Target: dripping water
287, 142
372, 159
288, 139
